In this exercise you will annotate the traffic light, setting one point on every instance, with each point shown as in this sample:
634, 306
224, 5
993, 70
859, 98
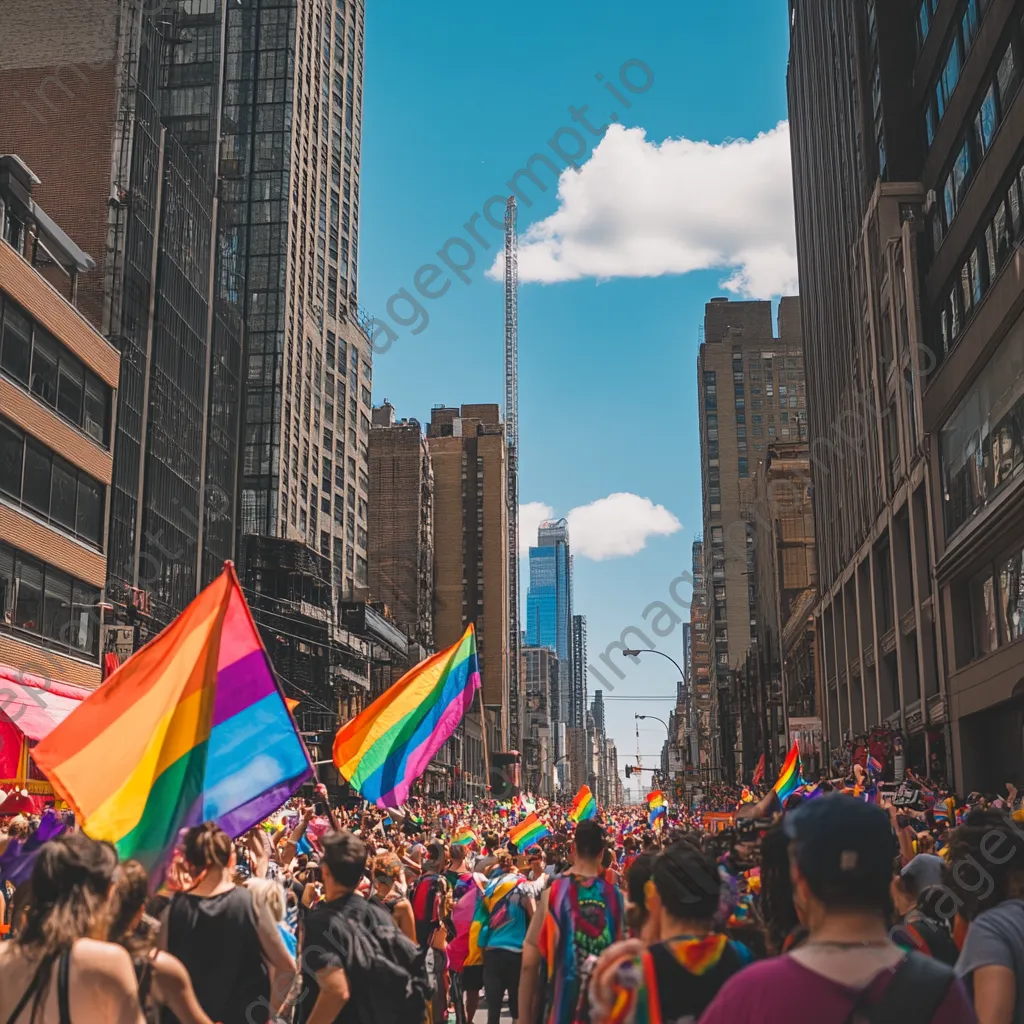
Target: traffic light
629, 771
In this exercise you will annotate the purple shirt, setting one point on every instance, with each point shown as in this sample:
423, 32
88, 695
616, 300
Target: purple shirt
780, 991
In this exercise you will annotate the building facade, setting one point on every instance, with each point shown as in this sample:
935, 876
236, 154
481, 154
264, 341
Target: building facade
99, 119
549, 618
750, 393
867, 149
540, 676
699, 661
787, 591
468, 452
401, 523
58, 391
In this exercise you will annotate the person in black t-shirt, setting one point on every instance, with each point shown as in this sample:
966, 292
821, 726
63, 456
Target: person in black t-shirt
326, 947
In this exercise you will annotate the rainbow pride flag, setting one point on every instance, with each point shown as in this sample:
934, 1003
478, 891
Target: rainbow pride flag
383, 750
464, 836
192, 728
584, 805
529, 831
791, 777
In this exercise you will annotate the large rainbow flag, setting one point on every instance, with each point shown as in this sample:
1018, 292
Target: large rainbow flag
383, 750
791, 777
584, 805
657, 807
192, 728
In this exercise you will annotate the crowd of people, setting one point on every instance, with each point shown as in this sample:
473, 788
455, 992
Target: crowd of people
832, 908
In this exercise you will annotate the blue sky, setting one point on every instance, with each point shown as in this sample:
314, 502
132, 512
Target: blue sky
457, 97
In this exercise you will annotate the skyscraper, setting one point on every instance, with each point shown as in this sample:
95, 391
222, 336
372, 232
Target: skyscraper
699, 663
750, 392
908, 180
467, 449
127, 158
401, 524
290, 241
549, 612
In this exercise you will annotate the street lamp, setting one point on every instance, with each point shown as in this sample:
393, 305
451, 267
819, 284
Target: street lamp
636, 652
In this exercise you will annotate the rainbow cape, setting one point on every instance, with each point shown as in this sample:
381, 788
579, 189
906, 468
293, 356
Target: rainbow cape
192, 728
383, 750
584, 805
790, 778
529, 831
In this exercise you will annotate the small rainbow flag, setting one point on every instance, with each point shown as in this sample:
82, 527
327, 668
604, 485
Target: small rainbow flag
584, 805
790, 778
192, 728
385, 748
529, 831
874, 765
464, 837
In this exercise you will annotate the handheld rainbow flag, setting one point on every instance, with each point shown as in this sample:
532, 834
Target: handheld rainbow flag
584, 805
191, 728
464, 837
874, 765
529, 831
790, 778
657, 805
383, 750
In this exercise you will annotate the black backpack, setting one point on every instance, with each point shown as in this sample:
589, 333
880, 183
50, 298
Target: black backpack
388, 972
914, 995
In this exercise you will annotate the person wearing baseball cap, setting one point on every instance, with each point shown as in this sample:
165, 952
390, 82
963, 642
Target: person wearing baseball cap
924, 906
841, 862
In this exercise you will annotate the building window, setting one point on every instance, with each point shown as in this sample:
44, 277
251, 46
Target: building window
33, 357
48, 605
981, 446
743, 468
36, 478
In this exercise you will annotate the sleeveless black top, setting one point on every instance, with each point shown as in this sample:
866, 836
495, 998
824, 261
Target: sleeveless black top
215, 937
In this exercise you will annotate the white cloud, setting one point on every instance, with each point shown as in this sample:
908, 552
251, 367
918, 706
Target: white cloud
611, 527
644, 209
531, 515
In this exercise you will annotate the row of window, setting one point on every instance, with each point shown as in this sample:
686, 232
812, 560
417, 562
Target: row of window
981, 446
976, 142
925, 17
997, 601
35, 477
1004, 231
952, 63
47, 604
34, 358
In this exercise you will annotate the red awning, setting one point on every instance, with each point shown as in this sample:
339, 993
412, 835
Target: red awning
35, 705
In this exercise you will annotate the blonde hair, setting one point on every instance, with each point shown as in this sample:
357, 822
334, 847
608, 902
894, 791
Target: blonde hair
267, 893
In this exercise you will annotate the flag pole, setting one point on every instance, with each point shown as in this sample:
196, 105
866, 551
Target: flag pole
483, 734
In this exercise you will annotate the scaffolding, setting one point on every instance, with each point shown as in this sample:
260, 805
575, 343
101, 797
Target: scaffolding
512, 440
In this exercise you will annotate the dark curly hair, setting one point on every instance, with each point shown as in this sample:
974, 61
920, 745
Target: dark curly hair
987, 854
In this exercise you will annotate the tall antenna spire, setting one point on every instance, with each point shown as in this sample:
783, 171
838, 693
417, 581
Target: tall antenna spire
512, 440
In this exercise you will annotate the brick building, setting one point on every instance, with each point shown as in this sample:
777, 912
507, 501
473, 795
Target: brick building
400, 524
468, 451
58, 381
750, 393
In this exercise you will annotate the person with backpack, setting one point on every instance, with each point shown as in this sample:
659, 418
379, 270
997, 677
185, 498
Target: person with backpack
848, 970
503, 914
919, 895
579, 916
676, 977
357, 966
431, 900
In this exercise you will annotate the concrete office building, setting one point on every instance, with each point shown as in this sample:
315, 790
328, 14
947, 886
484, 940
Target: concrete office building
750, 393
901, 165
128, 166
787, 591
58, 381
468, 451
699, 660
540, 677
401, 523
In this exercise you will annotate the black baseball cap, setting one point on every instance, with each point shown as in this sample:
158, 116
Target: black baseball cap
843, 847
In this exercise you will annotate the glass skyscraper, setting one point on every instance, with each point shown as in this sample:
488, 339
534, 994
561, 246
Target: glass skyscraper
549, 607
